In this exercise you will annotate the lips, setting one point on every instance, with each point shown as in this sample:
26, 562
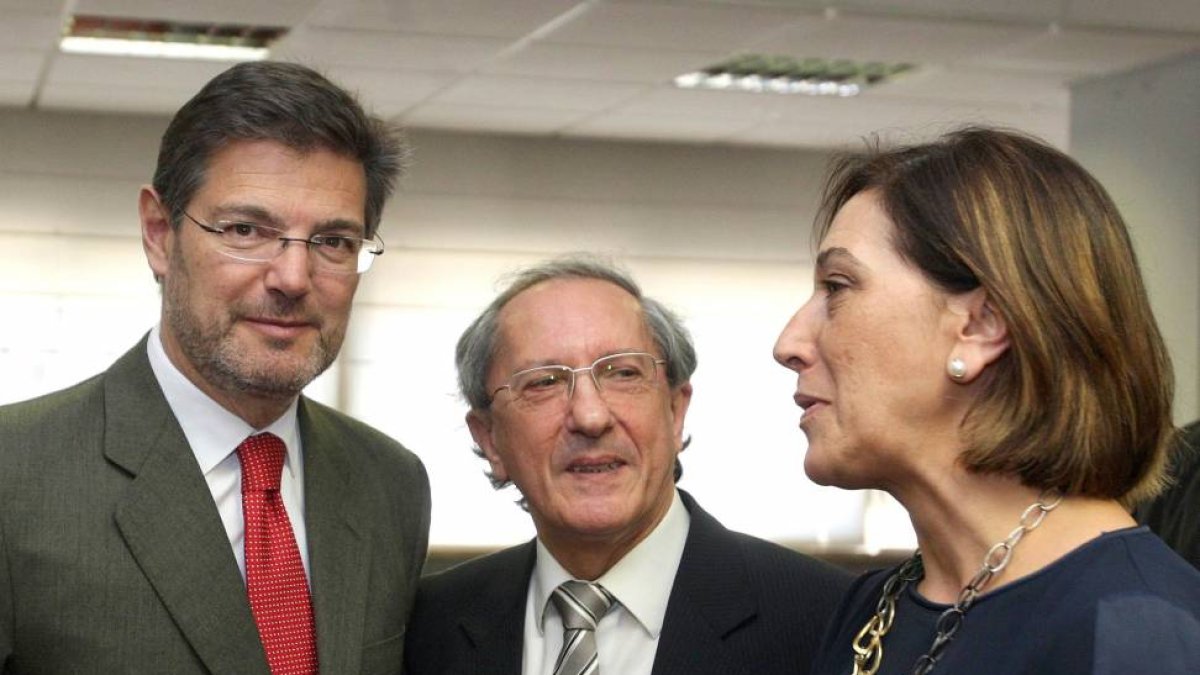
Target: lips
810, 404
806, 401
279, 328
589, 466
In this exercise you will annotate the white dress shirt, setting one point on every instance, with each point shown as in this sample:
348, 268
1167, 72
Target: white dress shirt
214, 434
627, 637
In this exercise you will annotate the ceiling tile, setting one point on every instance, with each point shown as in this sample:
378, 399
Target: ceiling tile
978, 85
489, 118
482, 18
253, 12
822, 122
1029, 11
389, 92
382, 49
603, 67
169, 74
1165, 15
39, 6
894, 40
668, 100
113, 98
709, 27
1075, 52
600, 63
29, 30
20, 65
485, 90
15, 94
686, 128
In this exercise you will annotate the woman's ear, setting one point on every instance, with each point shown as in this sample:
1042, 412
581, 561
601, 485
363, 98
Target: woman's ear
981, 335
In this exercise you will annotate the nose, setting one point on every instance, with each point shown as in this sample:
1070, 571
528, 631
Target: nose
290, 272
587, 411
796, 347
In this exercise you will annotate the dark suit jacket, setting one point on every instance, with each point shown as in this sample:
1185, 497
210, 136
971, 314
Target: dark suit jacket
739, 605
113, 558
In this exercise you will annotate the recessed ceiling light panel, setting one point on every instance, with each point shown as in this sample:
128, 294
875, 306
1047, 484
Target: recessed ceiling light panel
153, 38
760, 74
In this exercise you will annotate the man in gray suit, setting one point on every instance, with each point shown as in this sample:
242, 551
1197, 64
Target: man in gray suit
132, 536
578, 386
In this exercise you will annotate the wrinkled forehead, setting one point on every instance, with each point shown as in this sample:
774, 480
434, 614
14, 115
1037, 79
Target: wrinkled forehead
569, 319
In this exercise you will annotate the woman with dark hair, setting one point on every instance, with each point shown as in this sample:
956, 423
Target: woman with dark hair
979, 344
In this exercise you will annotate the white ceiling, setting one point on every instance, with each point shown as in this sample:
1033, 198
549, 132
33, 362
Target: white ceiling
603, 68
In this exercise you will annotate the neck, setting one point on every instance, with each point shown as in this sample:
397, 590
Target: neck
588, 563
590, 556
257, 412
961, 518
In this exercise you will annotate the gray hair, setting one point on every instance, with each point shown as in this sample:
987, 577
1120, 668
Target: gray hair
477, 345
283, 102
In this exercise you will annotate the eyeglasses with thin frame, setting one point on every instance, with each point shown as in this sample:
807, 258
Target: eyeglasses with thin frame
624, 375
252, 242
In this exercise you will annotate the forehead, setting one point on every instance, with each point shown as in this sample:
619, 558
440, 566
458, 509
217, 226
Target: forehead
862, 228
569, 319
275, 176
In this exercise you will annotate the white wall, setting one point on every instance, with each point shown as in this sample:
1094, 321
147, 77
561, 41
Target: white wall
1139, 133
721, 235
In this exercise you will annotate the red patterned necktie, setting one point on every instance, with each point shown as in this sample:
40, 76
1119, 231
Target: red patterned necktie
275, 578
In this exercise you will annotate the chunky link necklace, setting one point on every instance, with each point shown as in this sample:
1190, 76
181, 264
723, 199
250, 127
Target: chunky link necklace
868, 644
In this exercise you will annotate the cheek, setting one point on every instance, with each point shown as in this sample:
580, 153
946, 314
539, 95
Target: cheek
526, 447
334, 301
655, 435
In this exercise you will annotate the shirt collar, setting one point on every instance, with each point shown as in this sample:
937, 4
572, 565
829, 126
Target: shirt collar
212, 431
641, 581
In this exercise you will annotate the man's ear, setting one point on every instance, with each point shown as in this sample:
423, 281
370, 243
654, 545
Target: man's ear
981, 335
480, 424
681, 398
158, 236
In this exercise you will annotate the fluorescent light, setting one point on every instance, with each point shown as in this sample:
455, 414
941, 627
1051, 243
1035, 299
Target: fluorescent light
758, 74
158, 38
166, 50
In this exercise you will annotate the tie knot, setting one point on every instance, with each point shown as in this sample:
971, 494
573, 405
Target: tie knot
581, 604
261, 458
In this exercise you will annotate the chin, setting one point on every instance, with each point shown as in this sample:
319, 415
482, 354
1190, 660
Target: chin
597, 518
828, 471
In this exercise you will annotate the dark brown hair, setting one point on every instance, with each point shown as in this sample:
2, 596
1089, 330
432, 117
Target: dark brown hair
1081, 400
283, 102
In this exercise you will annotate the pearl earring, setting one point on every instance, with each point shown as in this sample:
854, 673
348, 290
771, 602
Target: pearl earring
957, 368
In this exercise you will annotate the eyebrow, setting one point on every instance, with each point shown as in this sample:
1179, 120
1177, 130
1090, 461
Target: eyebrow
258, 213
837, 254
543, 363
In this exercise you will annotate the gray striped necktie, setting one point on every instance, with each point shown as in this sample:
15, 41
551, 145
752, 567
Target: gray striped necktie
581, 604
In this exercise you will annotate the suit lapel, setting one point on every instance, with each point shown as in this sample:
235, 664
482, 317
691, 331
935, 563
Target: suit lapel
495, 626
170, 524
339, 552
710, 601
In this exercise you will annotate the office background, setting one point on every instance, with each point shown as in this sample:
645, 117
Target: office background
542, 127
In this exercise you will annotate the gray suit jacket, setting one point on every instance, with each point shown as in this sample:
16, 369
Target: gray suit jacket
739, 605
113, 558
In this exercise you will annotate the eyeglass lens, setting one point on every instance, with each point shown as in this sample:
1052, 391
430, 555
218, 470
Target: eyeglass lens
253, 242
619, 374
